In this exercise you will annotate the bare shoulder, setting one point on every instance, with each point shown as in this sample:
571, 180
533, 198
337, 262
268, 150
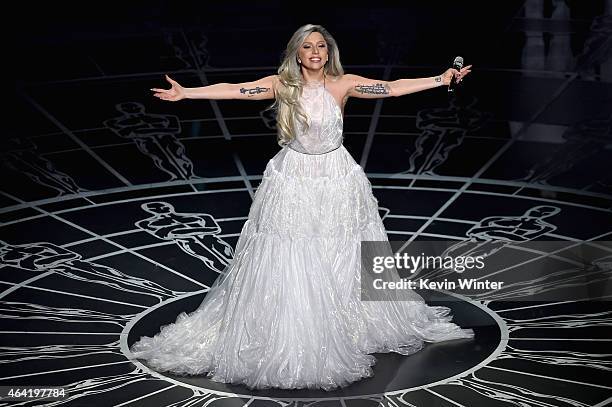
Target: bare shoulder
341, 80
340, 83
348, 79
345, 83
277, 83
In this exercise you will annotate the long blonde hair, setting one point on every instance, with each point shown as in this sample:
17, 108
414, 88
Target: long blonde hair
287, 105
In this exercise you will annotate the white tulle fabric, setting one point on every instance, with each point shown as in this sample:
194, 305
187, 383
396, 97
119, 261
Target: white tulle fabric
287, 312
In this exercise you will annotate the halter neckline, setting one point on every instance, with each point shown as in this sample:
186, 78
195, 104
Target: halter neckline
314, 84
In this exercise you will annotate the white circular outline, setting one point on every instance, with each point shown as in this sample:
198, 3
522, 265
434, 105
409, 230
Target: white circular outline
500, 348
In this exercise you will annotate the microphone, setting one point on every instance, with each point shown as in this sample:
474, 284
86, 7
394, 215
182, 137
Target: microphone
457, 64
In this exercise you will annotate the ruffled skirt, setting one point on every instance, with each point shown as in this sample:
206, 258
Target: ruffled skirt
287, 311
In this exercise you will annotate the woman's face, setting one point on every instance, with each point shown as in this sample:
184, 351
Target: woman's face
313, 51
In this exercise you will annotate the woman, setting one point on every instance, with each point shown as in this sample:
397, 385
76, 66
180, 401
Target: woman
287, 311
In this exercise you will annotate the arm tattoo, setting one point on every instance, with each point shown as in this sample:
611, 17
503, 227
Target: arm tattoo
253, 91
438, 78
378, 89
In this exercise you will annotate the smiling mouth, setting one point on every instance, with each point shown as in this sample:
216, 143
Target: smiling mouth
315, 59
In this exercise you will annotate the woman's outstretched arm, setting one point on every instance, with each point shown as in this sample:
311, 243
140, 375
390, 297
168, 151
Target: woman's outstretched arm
257, 90
366, 88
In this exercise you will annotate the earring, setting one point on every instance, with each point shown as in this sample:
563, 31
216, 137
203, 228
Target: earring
299, 61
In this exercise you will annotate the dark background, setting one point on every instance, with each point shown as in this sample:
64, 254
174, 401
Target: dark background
243, 34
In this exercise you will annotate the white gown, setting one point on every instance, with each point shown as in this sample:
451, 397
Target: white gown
287, 312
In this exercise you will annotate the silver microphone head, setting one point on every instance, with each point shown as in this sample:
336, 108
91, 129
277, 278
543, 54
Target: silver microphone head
458, 63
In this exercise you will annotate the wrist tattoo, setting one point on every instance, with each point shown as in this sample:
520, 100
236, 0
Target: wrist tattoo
378, 89
438, 79
253, 91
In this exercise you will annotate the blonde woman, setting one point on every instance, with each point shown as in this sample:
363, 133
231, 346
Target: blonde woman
287, 312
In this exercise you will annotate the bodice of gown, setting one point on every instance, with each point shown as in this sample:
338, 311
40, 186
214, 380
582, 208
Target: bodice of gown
325, 117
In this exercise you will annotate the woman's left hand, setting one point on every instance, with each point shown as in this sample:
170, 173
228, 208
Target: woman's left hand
459, 75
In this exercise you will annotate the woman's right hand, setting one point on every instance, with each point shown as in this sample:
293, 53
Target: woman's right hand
459, 75
175, 93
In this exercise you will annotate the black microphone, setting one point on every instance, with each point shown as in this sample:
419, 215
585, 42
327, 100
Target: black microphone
457, 64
